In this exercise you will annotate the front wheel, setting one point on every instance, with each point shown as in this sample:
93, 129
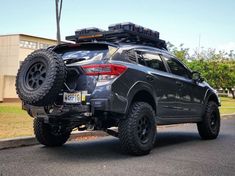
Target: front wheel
49, 135
137, 132
209, 127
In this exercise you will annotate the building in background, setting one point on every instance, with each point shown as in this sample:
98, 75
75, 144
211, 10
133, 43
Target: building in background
13, 50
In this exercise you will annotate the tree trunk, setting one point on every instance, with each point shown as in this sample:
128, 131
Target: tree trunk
232, 92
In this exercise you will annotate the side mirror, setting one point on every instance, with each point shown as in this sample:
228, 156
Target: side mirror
196, 76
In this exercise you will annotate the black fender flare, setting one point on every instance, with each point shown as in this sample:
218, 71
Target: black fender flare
210, 95
137, 87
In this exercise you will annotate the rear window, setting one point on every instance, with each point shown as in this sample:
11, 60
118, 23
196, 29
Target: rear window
85, 52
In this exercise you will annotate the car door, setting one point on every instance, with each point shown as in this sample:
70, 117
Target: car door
163, 82
189, 94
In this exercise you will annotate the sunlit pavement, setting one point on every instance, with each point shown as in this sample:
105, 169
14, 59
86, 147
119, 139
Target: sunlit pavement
178, 151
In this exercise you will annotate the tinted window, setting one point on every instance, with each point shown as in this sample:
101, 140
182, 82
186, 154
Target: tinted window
78, 53
131, 55
177, 68
152, 60
84, 54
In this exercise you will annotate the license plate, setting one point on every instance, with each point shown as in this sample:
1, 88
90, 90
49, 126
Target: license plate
72, 97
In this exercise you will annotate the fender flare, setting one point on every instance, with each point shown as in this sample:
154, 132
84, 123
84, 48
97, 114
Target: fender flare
209, 94
137, 87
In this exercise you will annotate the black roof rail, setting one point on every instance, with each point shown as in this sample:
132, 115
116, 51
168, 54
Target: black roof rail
120, 33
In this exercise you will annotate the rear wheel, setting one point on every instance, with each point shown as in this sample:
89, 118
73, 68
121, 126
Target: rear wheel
137, 131
50, 135
210, 126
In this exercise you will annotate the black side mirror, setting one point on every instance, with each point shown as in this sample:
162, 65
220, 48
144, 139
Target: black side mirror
196, 76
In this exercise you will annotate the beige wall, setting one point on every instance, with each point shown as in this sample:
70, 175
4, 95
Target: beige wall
24, 52
9, 87
1, 87
9, 51
11, 54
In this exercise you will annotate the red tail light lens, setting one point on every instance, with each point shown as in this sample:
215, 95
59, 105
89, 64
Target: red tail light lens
104, 69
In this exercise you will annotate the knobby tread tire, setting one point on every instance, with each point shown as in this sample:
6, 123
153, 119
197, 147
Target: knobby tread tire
204, 128
44, 134
49, 90
127, 130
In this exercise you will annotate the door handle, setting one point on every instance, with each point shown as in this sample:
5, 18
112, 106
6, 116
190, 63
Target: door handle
149, 77
178, 83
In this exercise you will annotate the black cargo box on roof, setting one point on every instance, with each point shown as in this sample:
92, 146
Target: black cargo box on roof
120, 33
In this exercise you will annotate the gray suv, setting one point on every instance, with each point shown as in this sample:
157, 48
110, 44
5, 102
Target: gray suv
124, 78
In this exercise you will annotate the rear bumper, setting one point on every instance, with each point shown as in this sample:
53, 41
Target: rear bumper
65, 111
102, 99
115, 103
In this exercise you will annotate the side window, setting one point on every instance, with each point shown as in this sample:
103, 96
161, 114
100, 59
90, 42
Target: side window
131, 55
152, 60
141, 59
177, 68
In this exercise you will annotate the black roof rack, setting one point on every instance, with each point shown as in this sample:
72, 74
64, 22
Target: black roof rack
120, 33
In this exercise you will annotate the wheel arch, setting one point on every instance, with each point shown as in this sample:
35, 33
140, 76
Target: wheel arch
212, 97
142, 92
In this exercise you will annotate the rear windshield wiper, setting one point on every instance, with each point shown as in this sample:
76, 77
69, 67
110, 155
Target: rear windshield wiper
73, 60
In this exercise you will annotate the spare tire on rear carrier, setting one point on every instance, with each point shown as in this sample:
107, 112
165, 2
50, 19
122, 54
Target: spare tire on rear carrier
41, 78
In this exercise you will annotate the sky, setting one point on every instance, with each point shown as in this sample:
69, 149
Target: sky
204, 23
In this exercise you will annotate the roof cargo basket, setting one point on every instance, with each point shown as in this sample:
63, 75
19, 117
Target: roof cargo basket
120, 33
135, 28
87, 31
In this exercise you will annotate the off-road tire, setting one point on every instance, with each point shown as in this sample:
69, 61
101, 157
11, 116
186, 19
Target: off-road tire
46, 136
209, 127
40, 78
132, 140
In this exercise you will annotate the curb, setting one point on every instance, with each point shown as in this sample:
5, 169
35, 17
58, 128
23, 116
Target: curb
17, 142
226, 115
29, 140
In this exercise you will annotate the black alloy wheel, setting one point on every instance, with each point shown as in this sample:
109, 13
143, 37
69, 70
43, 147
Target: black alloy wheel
209, 127
36, 75
143, 128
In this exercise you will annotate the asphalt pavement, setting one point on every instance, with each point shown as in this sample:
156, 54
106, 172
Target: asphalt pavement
178, 151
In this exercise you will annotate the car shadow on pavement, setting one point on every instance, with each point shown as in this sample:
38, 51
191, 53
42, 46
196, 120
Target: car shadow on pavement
110, 148
164, 139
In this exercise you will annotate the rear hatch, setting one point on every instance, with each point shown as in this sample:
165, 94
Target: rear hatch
87, 65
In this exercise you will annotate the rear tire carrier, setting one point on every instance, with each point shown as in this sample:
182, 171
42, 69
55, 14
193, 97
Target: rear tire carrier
40, 78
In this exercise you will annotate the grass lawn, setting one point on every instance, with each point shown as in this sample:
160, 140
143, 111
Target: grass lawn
15, 122
227, 105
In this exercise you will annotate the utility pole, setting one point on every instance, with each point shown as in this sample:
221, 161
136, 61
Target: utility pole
58, 5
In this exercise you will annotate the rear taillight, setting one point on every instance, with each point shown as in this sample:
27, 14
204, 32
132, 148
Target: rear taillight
104, 69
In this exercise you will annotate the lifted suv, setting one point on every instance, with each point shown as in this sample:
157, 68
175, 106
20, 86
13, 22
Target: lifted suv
124, 78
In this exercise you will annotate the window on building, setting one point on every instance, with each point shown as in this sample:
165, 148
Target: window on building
43, 45
28, 44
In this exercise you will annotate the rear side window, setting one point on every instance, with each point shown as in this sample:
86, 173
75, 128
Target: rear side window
151, 60
131, 55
